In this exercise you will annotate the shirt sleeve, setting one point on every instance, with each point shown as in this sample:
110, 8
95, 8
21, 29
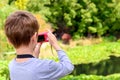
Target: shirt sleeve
62, 68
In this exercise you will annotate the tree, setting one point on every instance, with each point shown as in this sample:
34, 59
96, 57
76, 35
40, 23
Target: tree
85, 17
62, 14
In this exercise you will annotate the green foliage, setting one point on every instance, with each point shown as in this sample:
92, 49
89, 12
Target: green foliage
92, 77
4, 72
4, 45
96, 16
77, 17
109, 38
21, 4
83, 17
4, 12
62, 12
93, 53
38, 6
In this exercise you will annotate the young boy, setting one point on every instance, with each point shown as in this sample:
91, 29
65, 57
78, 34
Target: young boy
21, 29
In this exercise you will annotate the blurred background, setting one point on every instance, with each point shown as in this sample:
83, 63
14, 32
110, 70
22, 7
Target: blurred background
88, 30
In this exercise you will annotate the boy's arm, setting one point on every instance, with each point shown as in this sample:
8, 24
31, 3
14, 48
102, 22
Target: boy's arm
62, 68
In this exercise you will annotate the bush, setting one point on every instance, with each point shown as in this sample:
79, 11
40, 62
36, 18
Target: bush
4, 12
92, 77
85, 17
4, 72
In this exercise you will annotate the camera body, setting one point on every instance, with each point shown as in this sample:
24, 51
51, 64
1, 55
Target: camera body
43, 37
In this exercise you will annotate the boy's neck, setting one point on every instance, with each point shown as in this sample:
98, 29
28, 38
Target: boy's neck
24, 50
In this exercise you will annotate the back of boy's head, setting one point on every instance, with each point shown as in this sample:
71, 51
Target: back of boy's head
20, 26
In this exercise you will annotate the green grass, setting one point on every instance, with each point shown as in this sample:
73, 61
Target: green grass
93, 53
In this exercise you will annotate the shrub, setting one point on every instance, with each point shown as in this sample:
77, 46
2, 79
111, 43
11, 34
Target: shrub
4, 12
4, 72
92, 77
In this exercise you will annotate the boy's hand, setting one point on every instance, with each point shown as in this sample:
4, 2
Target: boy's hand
37, 50
53, 41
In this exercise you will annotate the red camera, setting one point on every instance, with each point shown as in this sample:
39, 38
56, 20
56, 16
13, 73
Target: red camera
42, 37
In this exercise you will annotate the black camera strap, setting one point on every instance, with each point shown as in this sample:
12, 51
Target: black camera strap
25, 56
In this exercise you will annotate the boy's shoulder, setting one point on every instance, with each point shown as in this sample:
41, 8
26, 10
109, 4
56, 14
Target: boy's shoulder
33, 64
33, 61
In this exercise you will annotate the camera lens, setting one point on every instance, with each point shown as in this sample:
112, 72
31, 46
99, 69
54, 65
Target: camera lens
41, 38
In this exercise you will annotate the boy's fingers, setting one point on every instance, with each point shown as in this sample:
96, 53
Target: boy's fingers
49, 31
38, 45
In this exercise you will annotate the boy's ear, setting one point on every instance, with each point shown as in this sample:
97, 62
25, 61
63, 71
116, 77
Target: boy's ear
34, 37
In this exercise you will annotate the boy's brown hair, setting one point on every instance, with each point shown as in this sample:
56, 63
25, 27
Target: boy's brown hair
20, 26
